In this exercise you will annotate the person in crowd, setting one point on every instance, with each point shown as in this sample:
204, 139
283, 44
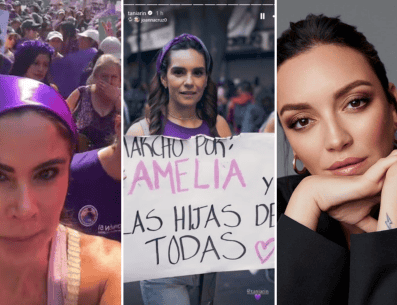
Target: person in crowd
60, 18
32, 60
88, 39
87, 15
95, 189
182, 103
16, 23
55, 39
35, 8
81, 24
183, 98
337, 236
255, 114
94, 106
30, 29
17, 8
111, 45
12, 38
3, 5
69, 34
239, 104
42, 260
46, 27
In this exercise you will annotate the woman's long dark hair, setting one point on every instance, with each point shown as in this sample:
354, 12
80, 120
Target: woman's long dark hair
26, 54
206, 108
315, 30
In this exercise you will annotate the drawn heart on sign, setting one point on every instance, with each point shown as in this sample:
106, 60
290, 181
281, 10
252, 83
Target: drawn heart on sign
257, 297
264, 258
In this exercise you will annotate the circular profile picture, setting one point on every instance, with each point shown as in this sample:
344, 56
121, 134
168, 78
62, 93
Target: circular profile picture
88, 215
137, 19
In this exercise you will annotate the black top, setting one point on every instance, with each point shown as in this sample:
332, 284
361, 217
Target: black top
318, 268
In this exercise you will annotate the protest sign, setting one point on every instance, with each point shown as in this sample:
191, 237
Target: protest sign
199, 205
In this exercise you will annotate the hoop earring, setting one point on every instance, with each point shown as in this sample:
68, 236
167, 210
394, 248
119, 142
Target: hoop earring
299, 172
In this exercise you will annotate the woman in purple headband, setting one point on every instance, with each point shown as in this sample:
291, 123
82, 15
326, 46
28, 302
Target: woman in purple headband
33, 60
42, 261
182, 103
182, 98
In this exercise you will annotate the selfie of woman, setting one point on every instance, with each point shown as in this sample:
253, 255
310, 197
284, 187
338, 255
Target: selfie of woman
337, 217
43, 260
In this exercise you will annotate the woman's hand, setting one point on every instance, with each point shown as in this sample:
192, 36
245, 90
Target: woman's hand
347, 199
113, 93
388, 207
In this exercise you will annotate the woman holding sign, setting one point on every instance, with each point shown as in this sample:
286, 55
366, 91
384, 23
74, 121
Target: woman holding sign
337, 237
182, 103
41, 260
182, 97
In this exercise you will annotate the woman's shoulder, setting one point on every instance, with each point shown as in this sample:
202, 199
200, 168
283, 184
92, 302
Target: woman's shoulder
73, 98
222, 127
100, 250
140, 128
100, 270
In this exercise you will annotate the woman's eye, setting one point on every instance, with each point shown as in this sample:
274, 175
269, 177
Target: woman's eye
3, 177
47, 174
300, 123
199, 73
357, 103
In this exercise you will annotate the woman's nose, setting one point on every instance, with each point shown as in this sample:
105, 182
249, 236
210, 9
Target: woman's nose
23, 205
42, 68
189, 80
337, 137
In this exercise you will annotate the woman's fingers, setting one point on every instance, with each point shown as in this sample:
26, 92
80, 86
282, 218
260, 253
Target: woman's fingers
377, 171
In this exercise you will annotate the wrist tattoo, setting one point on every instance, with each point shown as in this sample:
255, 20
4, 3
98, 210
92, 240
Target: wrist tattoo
388, 222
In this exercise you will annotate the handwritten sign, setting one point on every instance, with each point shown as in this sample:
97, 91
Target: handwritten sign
198, 205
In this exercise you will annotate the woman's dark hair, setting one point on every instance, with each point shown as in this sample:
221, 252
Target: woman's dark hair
26, 54
206, 108
315, 30
68, 30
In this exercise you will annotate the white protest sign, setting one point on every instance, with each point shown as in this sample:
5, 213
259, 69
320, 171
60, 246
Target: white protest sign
197, 206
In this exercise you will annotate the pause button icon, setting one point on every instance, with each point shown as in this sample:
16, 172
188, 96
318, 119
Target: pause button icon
262, 15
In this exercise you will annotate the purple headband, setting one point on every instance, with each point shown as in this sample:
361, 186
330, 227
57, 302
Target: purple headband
177, 40
19, 92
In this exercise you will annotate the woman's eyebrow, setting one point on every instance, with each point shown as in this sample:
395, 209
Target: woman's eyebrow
183, 68
6, 168
289, 107
49, 163
176, 67
341, 92
337, 95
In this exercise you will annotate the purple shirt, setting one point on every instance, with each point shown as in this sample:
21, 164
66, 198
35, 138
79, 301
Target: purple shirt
173, 130
94, 197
